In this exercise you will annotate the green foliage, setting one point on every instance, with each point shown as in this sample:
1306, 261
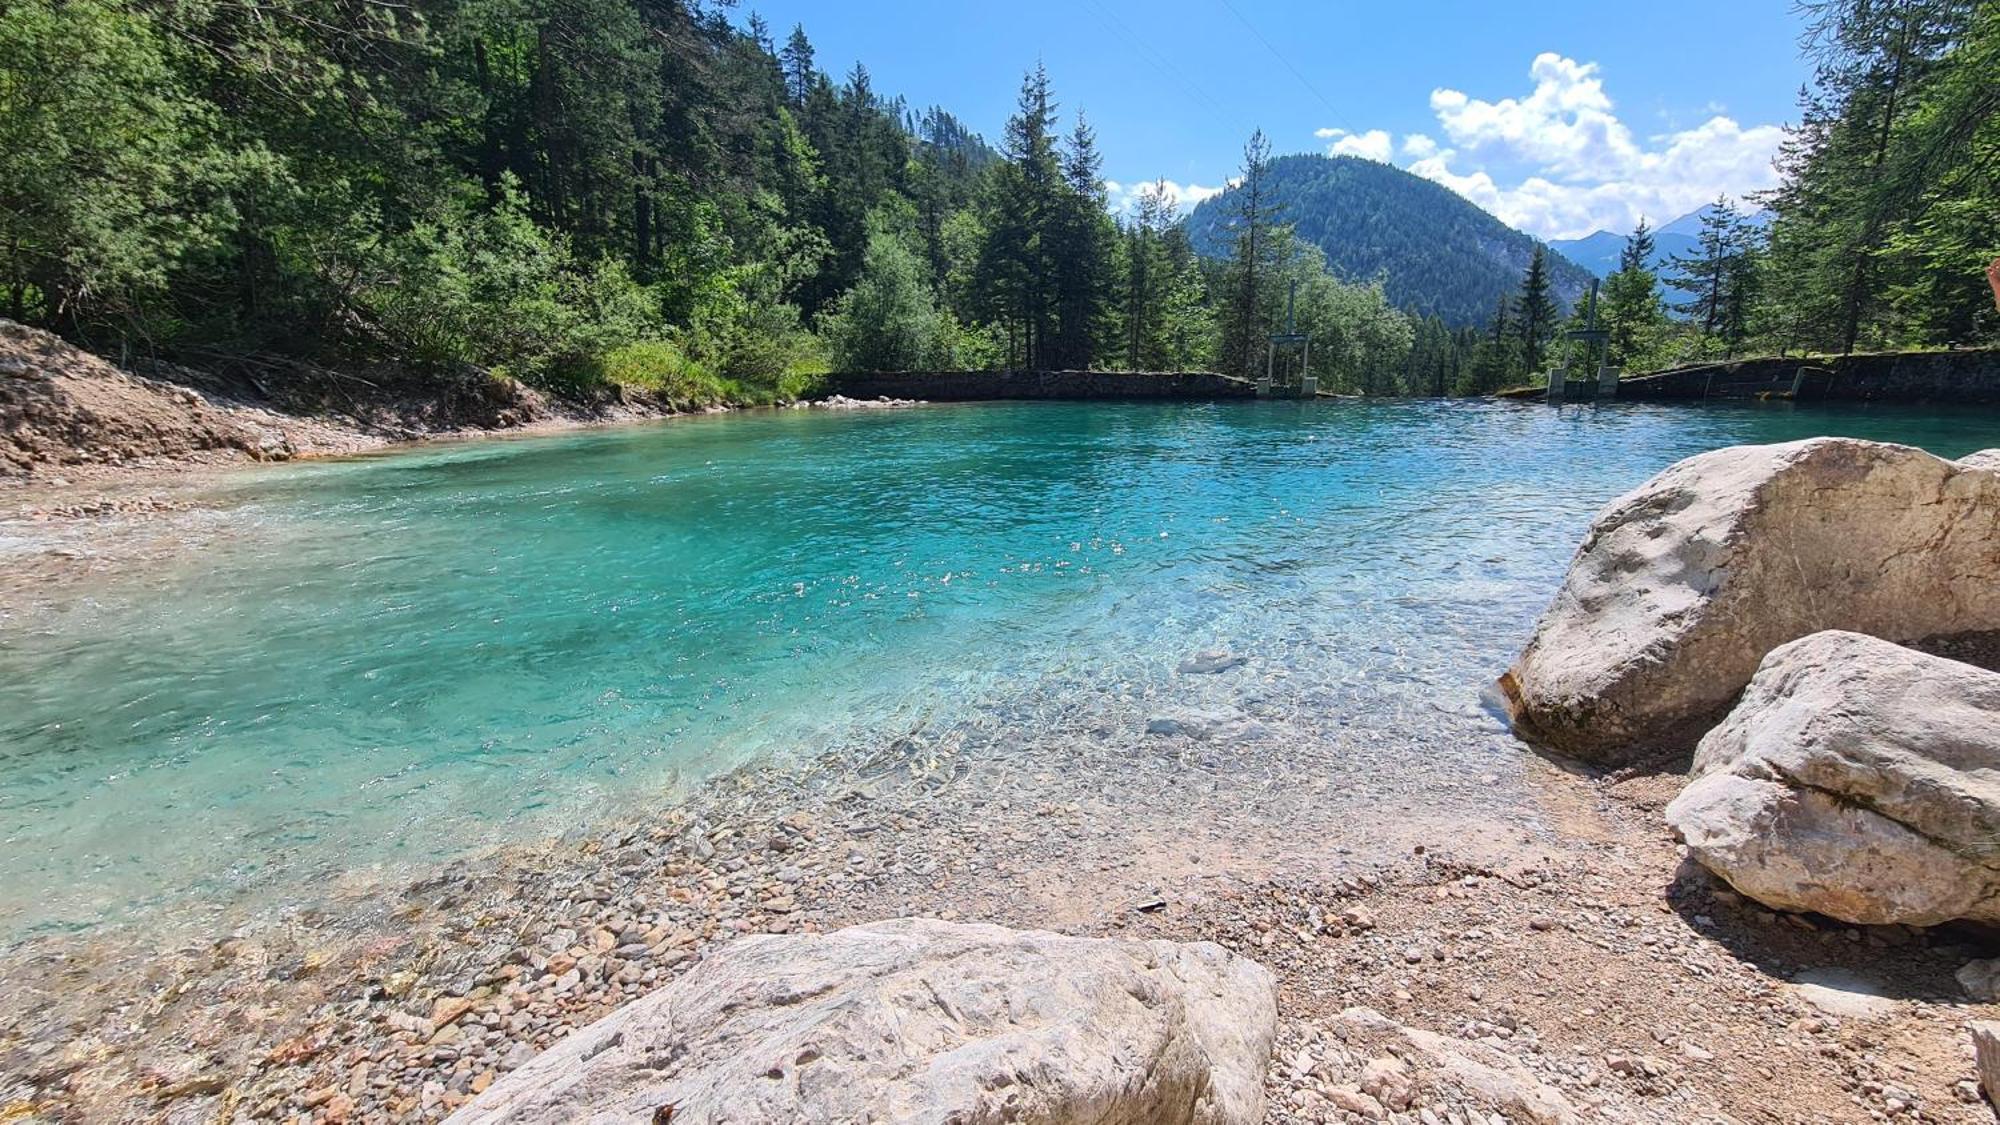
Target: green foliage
1720, 277
1258, 243
1630, 310
108, 175
1535, 311
1493, 361
766, 346
1165, 323
488, 287
661, 368
591, 192
888, 321
1886, 214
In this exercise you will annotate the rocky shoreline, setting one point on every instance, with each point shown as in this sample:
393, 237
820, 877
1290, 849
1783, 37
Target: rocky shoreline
1566, 946
79, 435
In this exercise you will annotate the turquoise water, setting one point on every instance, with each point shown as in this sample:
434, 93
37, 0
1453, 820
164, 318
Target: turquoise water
390, 659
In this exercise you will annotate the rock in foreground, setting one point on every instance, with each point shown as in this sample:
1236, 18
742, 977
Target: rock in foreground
1857, 779
1984, 459
1684, 585
918, 1020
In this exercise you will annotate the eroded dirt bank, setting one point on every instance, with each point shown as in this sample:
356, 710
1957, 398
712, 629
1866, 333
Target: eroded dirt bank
74, 426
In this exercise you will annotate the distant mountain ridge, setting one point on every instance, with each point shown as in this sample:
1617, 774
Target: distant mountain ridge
1599, 251
1436, 251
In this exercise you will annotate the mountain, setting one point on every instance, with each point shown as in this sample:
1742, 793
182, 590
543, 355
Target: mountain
1598, 251
1436, 251
1689, 225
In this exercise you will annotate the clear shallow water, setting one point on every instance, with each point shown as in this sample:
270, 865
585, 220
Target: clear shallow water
391, 659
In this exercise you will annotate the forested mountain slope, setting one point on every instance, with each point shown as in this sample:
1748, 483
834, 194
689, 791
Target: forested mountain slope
1440, 254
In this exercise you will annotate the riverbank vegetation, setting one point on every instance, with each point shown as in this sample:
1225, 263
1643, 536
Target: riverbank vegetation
1886, 217
580, 193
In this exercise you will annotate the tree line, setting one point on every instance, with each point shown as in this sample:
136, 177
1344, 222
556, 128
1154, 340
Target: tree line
1888, 210
585, 192
641, 192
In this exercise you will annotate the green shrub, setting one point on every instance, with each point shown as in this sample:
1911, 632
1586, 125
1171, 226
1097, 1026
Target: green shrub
659, 367
109, 174
487, 286
889, 321
765, 346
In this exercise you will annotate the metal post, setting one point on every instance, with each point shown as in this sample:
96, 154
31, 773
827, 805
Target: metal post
1308, 382
1592, 336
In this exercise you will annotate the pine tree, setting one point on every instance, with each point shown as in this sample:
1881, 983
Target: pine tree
1492, 365
1630, 310
797, 58
1184, 337
1143, 270
1864, 159
1015, 265
1638, 251
1535, 311
1739, 288
1080, 251
1255, 220
1706, 274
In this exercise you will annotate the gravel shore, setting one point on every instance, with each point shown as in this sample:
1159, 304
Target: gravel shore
1558, 938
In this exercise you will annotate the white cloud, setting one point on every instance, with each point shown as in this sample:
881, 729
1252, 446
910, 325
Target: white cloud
1124, 198
1559, 162
1375, 144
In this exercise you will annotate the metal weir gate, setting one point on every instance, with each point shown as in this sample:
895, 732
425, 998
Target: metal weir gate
1276, 384
1594, 339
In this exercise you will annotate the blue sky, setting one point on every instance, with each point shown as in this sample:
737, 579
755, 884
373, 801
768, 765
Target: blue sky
1560, 118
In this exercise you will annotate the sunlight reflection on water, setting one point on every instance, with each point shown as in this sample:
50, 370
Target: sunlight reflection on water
394, 658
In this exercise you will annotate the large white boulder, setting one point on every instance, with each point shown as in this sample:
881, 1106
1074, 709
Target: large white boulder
1858, 779
1682, 586
922, 1021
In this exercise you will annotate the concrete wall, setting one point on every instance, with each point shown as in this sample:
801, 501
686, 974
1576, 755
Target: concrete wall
1966, 377
985, 386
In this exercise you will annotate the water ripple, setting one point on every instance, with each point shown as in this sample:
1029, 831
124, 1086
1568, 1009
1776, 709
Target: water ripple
399, 657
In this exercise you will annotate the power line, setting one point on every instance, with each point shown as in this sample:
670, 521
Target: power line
1132, 40
1285, 62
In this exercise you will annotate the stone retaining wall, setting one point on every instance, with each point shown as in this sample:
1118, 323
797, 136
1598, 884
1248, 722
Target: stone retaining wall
1968, 377
983, 386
